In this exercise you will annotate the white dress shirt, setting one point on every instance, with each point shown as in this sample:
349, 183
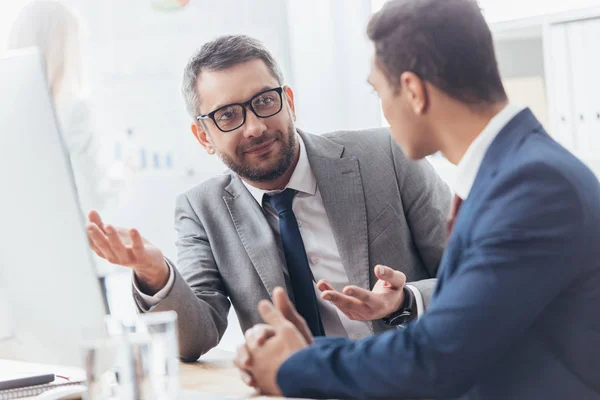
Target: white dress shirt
321, 250
468, 166
319, 242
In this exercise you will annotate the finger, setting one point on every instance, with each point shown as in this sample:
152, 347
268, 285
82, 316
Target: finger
248, 378
117, 246
243, 366
91, 240
101, 242
96, 250
94, 217
285, 306
137, 244
242, 357
341, 301
393, 277
361, 294
258, 335
263, 334
271, 315
89, 229
323, 285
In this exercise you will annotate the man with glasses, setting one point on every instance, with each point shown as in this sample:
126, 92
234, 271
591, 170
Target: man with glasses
312, 214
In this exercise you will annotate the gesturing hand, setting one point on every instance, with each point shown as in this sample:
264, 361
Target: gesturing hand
359, 304
128, 248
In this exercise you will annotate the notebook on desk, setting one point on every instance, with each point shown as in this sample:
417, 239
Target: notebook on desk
40, 389
35, 390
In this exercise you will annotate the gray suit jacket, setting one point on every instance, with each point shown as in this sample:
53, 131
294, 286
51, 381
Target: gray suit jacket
383, 209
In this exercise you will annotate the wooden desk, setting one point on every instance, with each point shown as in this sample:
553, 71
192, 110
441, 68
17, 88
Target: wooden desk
214, 373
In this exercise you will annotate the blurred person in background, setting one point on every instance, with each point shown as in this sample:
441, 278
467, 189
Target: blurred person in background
57, 31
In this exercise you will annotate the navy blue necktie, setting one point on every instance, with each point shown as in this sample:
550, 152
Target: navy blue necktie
297, 262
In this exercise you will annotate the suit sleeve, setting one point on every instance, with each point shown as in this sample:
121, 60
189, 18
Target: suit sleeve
144, 301
479, 313
198, 294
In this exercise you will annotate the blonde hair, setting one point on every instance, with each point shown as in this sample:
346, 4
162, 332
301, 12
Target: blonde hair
56, 30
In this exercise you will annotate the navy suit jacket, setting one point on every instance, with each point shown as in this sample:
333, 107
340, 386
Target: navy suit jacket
516, 310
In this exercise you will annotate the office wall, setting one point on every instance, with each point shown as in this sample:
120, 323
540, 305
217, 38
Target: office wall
331, 59
136, 55
520, 57
521, 64
505, 10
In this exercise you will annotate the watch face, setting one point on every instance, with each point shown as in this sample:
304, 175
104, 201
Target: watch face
404, 313
398, 319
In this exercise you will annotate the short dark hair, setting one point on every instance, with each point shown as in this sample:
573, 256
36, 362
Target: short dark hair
445, 42
219, 54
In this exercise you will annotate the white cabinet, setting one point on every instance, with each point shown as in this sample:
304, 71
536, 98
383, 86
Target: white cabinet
593, 35
573, 74
559, 85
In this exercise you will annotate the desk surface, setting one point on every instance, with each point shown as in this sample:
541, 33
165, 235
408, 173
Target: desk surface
214, 373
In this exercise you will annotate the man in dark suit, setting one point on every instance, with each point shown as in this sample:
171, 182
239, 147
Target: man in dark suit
514, 314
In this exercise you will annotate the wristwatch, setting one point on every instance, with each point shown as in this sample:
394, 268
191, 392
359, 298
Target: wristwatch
403, 314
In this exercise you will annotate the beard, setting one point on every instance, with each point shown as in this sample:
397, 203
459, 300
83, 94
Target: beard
251, 172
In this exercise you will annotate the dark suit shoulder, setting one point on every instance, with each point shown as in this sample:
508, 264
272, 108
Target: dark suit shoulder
545, 153
543, 187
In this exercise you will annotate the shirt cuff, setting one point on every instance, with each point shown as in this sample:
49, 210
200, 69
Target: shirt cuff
150, 301
418, 300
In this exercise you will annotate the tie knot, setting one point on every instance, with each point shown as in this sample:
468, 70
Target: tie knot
282, 202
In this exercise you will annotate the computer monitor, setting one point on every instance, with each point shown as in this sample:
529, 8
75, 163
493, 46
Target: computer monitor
49, 289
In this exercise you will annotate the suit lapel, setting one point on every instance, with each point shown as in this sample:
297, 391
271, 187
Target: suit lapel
255, 234
502, 147
506, 143
340, 184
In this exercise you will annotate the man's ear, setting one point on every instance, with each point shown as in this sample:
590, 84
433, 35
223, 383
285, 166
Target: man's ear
414, 87
289, 97
202, 137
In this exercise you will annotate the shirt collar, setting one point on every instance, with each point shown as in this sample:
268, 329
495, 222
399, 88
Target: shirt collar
468, 166
302, 180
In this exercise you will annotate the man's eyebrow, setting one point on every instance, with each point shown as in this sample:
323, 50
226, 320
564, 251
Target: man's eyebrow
268, 87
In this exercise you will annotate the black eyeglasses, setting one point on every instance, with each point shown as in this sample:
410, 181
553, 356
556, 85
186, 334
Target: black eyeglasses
230, 117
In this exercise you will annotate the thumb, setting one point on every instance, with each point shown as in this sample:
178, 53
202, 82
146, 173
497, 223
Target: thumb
393, 277
270, 314
287, 309
283, 304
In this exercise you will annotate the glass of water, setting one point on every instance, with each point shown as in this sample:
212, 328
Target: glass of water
99, 352
151, 357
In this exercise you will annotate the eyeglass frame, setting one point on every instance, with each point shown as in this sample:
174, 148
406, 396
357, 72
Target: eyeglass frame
244, 105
